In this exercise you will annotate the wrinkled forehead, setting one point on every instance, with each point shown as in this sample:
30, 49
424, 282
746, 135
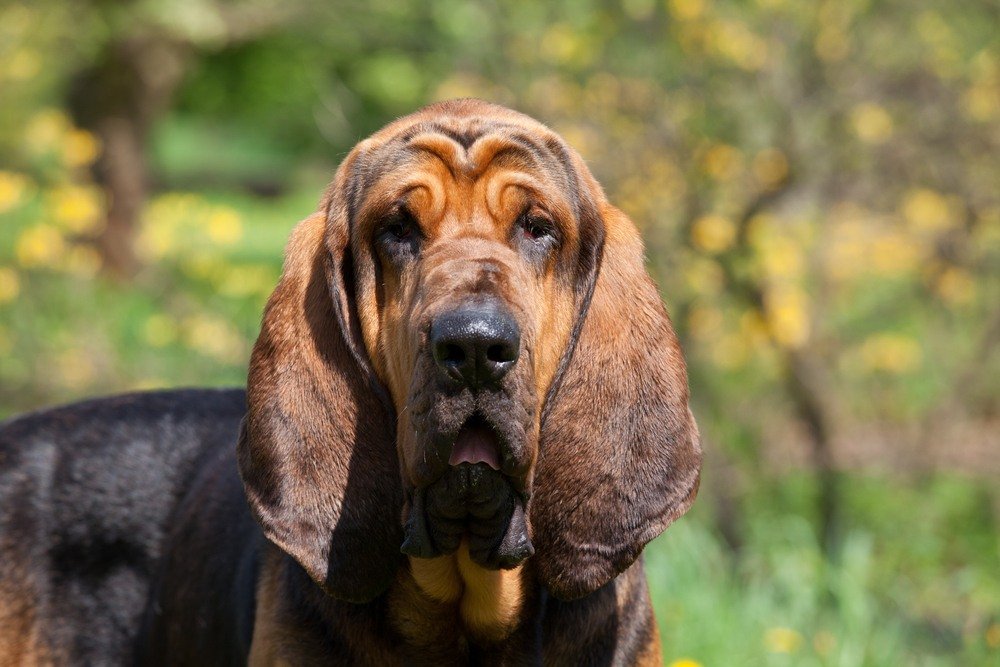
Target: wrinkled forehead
416, 151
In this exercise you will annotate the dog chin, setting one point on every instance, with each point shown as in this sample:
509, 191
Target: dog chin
470, 502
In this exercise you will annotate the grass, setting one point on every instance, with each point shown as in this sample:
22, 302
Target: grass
915, 582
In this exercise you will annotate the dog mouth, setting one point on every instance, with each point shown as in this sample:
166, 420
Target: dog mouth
472, 501
477, 442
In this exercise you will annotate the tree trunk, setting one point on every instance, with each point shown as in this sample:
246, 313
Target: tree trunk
118, 98
806, 387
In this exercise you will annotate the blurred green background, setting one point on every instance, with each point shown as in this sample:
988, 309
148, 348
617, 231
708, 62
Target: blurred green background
817, 183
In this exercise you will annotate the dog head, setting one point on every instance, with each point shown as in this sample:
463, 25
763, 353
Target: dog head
465, 346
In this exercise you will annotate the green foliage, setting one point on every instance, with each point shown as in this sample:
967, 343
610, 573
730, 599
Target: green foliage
902, 591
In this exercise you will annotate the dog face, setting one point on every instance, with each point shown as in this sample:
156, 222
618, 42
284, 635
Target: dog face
467, 250
465, 346
470, 305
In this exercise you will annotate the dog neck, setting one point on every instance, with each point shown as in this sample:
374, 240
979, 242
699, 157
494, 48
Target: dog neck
445, 609
488, 602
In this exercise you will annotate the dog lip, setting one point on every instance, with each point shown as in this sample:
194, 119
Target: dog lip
477, 442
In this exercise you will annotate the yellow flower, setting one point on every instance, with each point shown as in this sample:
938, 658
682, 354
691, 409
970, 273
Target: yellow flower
893, 353
686, 9
782, 640
713, 233
13, 187
10, 284
770, 167
77, 208
787, 316
41, 245
872, 123
224, 226
722, 162
956, 286
926, 210
685, 662
80, 148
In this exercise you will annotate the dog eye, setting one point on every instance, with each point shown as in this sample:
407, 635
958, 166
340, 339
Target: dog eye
400, 225
535, 228
399, 231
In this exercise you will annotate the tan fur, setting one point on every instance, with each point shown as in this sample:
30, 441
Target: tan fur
20, 643
651, 655
488, 600
492, 598
427, 624
439, 578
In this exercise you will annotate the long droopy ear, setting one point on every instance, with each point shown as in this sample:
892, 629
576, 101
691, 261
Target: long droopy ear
317, 453
619, 456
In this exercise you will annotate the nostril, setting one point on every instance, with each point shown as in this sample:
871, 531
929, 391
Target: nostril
451, 353
500, 353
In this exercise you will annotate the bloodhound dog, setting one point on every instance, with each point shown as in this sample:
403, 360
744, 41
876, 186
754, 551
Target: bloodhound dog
466, 415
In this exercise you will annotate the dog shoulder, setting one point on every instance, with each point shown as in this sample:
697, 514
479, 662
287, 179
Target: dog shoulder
86, 494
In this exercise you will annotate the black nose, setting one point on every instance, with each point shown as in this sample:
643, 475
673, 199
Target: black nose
476, 345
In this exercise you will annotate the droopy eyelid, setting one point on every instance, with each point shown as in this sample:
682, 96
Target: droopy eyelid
536, 215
